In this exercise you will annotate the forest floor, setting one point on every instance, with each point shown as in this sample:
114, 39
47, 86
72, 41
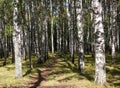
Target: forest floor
54, 75
59, 72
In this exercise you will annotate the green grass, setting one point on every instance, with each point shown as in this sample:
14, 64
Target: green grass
63, 73
67, 73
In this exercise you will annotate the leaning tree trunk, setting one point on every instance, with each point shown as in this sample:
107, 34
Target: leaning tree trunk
80, 34
100, 71
17, 41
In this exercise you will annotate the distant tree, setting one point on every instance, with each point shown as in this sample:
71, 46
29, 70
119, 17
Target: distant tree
113, 28
71, 30
52, 31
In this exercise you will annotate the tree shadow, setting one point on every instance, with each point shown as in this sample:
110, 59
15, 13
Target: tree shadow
67, 67
114, 79
75, 69
117, 84
87, 76
27, 73
39, 80
7, 63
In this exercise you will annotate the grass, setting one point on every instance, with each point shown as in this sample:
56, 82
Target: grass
63, 73
7, 73
66, 73
7, 77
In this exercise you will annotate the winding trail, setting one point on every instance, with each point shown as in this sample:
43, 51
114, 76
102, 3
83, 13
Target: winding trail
40, 80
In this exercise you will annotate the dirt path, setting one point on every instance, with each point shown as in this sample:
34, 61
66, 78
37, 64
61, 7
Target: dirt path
40, 80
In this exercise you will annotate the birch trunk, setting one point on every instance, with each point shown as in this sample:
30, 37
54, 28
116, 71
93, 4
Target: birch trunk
113, 29
17, 41
80, 34
52, 31
100, 71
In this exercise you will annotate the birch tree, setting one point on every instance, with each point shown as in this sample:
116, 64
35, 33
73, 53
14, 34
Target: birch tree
17, 41
100, 71
52, 31
113, 15
80, 34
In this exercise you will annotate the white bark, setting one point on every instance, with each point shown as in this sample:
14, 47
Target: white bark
113, 29
100, 71
17, 41
52, 31
80, 34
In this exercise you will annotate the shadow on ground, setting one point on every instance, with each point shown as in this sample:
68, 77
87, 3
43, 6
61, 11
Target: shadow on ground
65, 66
38, 79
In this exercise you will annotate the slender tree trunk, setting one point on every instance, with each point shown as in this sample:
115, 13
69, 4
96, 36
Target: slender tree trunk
13, 53
92, 36
1, 29
52, 31
17, 41
88, 38
117, 28
72, 31
46, 32
80, 35
46, 39
5, 49
27, 22
118, 40
100, 71
57, 28
4, 39
60, 41
68, 21
113, 29
29, 29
